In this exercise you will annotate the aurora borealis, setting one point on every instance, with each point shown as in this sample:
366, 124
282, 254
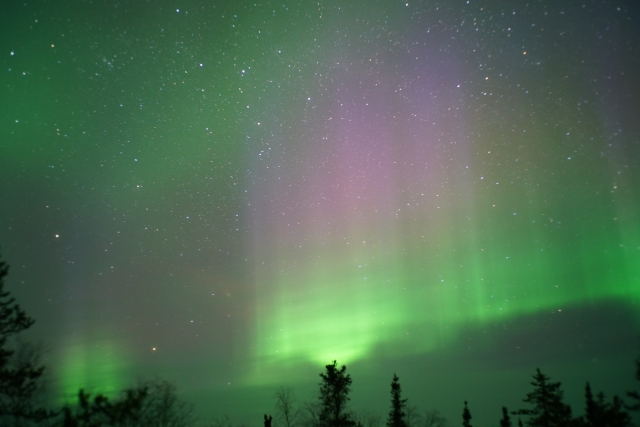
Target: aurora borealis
232, 194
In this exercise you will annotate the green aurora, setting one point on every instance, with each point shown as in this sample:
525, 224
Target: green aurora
231, 195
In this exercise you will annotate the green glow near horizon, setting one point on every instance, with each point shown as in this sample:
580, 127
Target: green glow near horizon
354, 296
259, 188
96, 367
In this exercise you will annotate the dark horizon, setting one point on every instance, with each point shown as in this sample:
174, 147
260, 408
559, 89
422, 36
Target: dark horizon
368, 399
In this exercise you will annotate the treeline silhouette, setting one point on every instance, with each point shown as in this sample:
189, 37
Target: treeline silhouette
157, 404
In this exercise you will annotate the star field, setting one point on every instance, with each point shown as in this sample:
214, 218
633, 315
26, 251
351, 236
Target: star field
232, 194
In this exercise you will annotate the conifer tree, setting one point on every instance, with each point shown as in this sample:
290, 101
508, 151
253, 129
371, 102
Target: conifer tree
634, 394
396, 414
334, 396
616, 415
18, 382
599, 413
548, 409
593, 412
505, 421
466, 416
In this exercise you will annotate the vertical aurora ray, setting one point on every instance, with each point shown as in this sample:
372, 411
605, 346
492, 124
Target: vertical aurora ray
394, 220
231, 194
97, 366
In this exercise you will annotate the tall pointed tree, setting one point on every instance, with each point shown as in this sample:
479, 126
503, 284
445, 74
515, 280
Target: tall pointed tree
595, 409
600, 413
396, 414
505, 421
466, 416
547, 408
616, 414
334, 397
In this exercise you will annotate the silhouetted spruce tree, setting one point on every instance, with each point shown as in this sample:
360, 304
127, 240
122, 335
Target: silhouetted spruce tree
635, 395
505, 421
334, 396
18, 381
594, 411
591, 408
617, 415
396, 414
599, 413
466, 416
548, 409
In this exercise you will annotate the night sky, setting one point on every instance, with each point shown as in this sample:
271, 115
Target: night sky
232, 194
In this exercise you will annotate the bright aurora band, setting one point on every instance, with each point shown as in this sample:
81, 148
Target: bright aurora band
232, 194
